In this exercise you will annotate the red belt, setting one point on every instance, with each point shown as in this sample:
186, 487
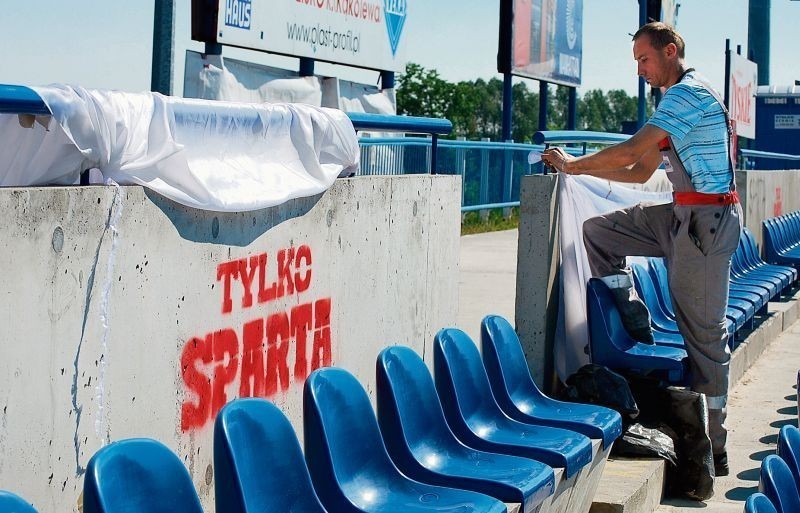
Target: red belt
699, 198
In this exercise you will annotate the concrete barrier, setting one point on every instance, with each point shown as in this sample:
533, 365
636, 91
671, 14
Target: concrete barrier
128, 315
767, 194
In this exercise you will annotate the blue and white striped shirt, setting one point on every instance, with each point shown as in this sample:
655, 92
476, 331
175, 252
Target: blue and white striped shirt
696, 122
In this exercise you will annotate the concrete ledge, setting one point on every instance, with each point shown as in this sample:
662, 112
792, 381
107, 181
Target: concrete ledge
630, 486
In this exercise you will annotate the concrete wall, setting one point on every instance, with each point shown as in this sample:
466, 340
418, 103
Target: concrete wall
537, 274
126, 315
767, 194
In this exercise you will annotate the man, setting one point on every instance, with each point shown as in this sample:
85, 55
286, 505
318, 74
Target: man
696, 234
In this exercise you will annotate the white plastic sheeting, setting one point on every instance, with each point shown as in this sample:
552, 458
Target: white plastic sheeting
582, 197
210, 155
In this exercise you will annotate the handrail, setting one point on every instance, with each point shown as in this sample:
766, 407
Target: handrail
767, 154
407, 124
21, 100
577, 137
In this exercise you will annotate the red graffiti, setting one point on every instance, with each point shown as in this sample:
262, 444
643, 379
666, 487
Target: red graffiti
292, 274
266, 355
742, 101
262, 362
777, 208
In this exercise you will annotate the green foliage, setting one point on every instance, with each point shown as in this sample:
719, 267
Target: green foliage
475, 107
473, 223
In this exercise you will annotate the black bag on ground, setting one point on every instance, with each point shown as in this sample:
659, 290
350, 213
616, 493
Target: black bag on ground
595, 384
686, 414
642, 441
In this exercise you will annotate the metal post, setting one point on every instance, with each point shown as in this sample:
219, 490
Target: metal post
461, 167
387, 79
758, 30
641, 103
213, 49
727, 96
484, 185
163, 43
572, 108
434, 151
306, 67
542, 105
508, 105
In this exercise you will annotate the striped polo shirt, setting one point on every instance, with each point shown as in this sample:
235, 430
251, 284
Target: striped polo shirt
696, 122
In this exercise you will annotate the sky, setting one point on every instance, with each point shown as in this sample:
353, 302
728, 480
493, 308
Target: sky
108, 43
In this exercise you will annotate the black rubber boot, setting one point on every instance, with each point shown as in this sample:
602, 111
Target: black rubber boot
634, 314
721, 464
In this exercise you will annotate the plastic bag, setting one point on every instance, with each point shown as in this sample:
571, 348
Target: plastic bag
639, 440
595, 384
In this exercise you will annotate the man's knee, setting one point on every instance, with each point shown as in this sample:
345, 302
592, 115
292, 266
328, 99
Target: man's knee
592, 227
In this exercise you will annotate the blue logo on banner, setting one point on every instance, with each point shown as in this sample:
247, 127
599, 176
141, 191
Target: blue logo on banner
238, 13
395, 13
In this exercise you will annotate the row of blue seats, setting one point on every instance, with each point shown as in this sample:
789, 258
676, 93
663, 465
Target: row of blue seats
480, 433
779, 484
782, 239
753, 284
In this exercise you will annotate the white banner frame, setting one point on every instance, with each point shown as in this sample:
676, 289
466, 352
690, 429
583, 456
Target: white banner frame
742, 85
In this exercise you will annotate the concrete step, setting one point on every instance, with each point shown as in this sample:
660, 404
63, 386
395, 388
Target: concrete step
630, 486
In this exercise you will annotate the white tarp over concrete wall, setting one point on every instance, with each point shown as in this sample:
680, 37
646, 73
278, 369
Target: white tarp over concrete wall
214, 77
126, 314
211, 155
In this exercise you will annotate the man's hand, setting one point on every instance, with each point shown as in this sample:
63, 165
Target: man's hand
557, 159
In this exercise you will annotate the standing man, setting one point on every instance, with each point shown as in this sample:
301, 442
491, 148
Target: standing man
697, 233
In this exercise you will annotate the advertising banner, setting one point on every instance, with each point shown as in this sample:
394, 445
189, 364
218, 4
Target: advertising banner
547, 40
742, 85
361, 33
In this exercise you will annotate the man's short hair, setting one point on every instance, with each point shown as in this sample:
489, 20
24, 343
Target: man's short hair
661, 35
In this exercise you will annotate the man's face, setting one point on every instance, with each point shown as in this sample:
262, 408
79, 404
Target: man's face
652, 64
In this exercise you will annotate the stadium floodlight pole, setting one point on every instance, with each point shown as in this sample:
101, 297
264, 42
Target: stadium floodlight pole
758, 22
640, 104
508, 106
542, 105
163, 43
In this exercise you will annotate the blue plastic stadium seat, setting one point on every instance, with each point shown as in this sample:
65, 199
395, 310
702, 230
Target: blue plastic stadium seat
11, 503
477, 420
782, 239
777, 483
646, 289
140, 475
758, 503
349, 465
519, 397
610, 344
752, 263
258, 463
789, 450
425, 449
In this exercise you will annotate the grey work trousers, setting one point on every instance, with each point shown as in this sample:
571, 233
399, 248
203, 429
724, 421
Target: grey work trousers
697, 243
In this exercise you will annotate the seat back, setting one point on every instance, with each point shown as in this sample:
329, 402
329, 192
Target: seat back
789, 450
658, 272
606, 332
758, 503
461, 379
505, 363
11, 503
337, 412
258, 463
409, 412
777, 483
140, 475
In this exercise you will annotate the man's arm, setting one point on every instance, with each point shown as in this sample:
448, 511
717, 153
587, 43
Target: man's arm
633, 160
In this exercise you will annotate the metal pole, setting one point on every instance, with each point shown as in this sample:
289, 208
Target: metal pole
387, 79
727, 96
758, 26
306, 67
542, 105
508, 106
163, 43
641, 103
572, 108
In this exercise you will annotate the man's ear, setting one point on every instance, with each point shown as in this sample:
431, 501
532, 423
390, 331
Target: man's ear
671, 50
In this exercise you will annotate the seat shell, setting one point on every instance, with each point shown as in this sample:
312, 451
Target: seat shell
12, 503
777, 483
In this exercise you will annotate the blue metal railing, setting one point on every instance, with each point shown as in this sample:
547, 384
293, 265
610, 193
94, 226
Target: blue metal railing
755, 154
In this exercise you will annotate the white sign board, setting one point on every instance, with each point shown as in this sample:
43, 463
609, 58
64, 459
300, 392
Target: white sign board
787, 121
743, 81
361, 33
